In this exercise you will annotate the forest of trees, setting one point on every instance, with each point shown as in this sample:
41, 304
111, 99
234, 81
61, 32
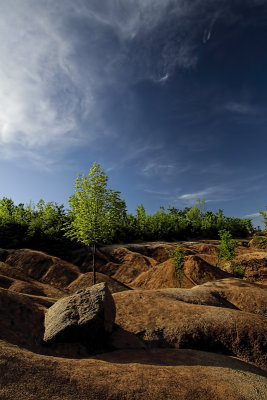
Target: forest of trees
25, 225
97, 214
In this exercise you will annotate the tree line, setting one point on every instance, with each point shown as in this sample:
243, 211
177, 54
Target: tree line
97, 214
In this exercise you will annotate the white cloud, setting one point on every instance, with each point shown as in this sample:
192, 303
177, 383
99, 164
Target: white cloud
60, 61
240, 108
200, 194
40, 94
210, 194
153, 168
253, 215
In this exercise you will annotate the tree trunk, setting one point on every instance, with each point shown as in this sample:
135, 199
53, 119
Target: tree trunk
94, 273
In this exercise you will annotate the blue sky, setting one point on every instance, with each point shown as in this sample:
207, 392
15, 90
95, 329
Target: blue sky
168, 96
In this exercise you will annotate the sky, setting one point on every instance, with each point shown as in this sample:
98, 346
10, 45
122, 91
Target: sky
169, 97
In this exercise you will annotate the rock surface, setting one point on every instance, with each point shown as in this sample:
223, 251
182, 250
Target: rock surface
85, 317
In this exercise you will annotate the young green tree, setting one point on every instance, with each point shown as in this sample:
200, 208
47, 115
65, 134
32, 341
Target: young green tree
95, 211
178, 257
227, 247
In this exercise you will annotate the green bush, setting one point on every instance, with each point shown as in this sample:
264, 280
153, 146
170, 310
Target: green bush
238, 270
227, 247
260, 239
178, 257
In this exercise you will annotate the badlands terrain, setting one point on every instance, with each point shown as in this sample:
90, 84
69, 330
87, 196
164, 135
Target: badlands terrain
203, 340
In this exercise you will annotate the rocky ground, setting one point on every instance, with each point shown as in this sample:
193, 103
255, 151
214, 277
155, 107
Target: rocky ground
203, 340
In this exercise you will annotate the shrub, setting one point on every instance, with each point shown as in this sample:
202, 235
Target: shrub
238, 270
227, 248
260, 239
178, 257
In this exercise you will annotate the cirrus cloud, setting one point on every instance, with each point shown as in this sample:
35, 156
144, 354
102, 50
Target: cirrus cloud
62, 62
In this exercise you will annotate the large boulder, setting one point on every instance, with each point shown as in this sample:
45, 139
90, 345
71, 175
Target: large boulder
86, 316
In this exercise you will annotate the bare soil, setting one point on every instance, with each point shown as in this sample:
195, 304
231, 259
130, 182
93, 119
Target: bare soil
201, 338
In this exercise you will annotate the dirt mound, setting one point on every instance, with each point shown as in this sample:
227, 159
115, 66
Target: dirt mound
159, 335
21, 319
5, 282
259, 242
230, 293
160, 276
17, 280
201, 271
43, 267
159, 253
243, 295
131, 264
201, 248
255, 264
86, 280
162, 321
13, 272
83, 259
129, 374
196, 270
25, 287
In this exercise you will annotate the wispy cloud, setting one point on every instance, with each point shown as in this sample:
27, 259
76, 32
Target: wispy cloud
240, 108
62, 62
209, 194
153, 168
253, 215
38, 95
159, 167
157, 192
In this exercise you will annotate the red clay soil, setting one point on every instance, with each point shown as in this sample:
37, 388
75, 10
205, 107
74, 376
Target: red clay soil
17, 280
86, 280
40, 266
162, 321
228, 293
162, 374
244, 295
196, 270
259, 244
131, 264
160, 276
256, 266
221, 315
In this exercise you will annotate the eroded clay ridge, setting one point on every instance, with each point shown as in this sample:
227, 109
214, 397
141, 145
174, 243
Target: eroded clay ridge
167, 341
